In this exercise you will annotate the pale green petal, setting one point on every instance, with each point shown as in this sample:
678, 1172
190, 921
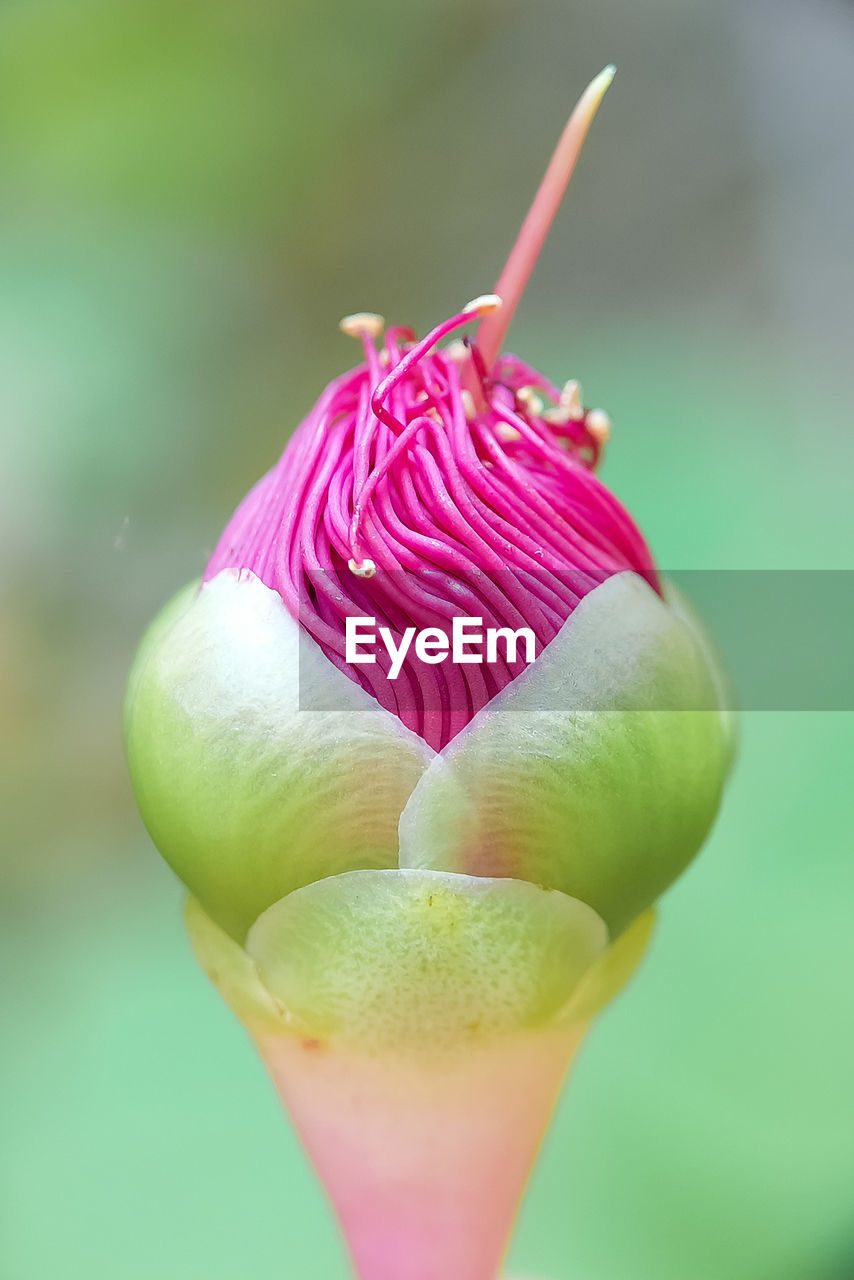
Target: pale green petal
422, 960
245, 795
579, 776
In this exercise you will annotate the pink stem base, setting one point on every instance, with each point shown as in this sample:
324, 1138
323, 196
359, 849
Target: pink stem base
425, 1162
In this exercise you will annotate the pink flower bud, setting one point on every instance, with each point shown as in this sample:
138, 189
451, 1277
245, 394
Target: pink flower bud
408, 498
417, 897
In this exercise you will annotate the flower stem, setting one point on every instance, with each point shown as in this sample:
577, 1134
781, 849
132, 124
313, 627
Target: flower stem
425, 1162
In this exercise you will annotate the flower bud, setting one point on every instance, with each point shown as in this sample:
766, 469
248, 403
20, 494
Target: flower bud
416, 855
405, 502
433, 484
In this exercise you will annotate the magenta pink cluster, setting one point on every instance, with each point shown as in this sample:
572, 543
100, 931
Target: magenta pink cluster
419, 488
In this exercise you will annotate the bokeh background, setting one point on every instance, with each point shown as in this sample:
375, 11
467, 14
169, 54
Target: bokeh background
192, 195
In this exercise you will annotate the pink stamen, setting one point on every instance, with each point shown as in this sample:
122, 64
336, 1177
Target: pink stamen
497, 515
408, 497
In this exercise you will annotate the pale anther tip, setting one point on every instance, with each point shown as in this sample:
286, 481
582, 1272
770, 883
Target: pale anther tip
570, 399
484, 304
366, 569
362, 323
598, 423
505, 432
528, 397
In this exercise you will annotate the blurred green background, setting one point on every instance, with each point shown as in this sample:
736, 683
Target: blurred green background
192, 194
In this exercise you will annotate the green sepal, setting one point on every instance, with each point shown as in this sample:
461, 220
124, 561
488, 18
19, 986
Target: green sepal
724, 691
423, 961
235, 975
247, 796
155, 634
598, 771
607, 976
